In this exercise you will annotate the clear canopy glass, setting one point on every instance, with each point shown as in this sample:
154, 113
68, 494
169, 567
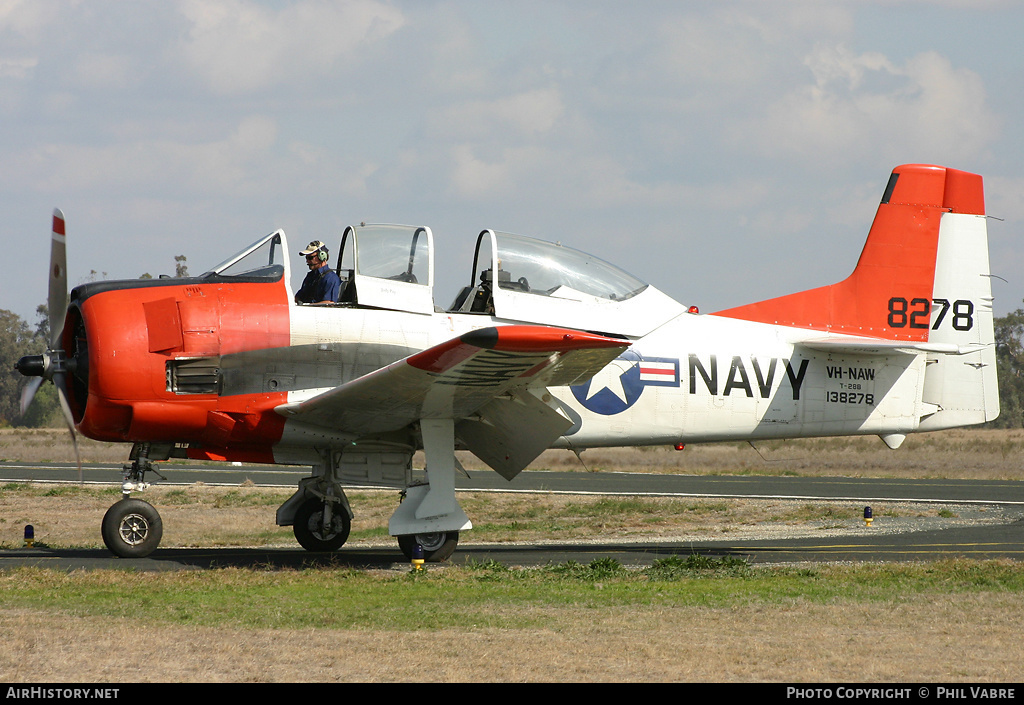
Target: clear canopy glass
395, 252
265, 258
550, 269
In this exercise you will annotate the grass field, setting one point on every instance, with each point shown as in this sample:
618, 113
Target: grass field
679, 620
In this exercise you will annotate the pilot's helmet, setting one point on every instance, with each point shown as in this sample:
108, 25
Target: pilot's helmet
316, 246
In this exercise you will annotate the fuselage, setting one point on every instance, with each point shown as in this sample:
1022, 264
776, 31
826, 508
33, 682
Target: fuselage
205, 363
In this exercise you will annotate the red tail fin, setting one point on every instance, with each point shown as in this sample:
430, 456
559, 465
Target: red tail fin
894, 278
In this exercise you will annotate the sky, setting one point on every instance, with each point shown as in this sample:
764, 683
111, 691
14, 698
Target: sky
724, 152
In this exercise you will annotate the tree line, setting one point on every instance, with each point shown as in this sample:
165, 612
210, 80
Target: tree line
18, 338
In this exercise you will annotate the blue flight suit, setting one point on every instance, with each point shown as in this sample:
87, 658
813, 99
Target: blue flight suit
322, 284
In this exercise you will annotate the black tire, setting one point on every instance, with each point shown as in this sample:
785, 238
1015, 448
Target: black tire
132, 528
309, 530
437, 547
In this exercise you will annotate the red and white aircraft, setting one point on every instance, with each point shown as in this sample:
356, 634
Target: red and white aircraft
546, 347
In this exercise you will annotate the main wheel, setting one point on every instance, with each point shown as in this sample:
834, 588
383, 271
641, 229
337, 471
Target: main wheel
132, 528
437, 546
310, 531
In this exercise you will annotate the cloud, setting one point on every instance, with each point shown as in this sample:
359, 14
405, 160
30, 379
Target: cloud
27, 17
524, 114
227, 165
239, 46
17, 68
925, 109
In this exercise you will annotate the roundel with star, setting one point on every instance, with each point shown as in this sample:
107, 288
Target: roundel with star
619, 385
614, 389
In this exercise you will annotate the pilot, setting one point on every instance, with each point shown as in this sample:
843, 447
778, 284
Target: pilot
322, 284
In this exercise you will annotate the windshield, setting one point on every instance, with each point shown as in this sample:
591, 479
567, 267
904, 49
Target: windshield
539, 267
263, 259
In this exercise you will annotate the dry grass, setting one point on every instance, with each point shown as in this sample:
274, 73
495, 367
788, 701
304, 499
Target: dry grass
974, 639
957, 453
48, 445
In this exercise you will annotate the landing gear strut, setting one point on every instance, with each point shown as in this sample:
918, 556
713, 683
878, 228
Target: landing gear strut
318, 512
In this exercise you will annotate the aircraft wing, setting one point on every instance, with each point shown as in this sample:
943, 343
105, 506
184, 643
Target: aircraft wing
456, 379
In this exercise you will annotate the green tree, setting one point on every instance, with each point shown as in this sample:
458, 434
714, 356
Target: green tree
1009, 331
18, 339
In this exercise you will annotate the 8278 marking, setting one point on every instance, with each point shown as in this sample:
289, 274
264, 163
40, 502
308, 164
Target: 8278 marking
914, 314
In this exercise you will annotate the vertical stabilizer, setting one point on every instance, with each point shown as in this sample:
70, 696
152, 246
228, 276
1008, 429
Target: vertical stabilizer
888, 294
923, 278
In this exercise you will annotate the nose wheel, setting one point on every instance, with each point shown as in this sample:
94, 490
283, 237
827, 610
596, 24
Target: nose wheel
132, 528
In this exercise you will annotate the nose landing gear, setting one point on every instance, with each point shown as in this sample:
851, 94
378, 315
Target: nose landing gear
133, 528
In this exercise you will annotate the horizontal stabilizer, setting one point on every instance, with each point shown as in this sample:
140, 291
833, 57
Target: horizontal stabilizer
854, 345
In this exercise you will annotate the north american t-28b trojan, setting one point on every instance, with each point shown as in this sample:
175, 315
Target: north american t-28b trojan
546, 347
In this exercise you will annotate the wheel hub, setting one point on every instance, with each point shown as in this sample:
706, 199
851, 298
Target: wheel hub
134, 529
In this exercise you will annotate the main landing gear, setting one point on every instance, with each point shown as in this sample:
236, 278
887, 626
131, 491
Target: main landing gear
320, 526
428, 515
321, 520
438, 546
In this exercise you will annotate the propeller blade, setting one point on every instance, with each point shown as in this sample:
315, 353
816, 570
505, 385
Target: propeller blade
28, 393
60, 383
57, 299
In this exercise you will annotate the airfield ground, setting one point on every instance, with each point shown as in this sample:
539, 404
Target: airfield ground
909, 625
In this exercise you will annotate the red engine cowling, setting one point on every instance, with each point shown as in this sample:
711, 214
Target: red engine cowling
145, 357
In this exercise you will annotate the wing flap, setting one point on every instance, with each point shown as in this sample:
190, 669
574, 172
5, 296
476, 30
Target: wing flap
509, 433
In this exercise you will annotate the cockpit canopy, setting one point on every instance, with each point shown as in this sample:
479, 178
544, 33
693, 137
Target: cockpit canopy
265, 259
524, 279
515, 278
388, 266
549, 269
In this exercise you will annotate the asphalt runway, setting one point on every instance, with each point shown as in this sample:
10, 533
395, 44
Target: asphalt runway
992, 540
